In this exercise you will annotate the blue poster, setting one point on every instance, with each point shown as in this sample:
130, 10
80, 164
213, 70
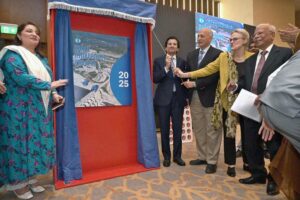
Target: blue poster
101, 68
220, 27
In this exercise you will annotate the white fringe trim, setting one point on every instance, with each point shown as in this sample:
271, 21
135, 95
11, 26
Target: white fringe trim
100, 11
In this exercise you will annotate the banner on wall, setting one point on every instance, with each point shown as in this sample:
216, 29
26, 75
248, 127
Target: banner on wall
101, 69
221, 29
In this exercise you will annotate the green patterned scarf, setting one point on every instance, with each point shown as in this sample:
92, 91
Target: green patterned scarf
231, 120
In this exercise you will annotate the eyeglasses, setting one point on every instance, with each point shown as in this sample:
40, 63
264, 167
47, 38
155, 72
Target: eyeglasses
233, 39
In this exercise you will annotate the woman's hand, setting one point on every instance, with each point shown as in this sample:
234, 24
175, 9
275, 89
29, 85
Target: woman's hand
266, 131
59, 83
231, 86
2, 88
181, 74
57, 98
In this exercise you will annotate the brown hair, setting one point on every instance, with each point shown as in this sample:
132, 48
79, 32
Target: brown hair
172, 38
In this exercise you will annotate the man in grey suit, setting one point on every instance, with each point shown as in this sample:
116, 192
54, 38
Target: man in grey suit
201, 96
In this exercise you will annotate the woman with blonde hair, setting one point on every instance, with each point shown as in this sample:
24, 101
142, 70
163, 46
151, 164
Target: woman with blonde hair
230, 66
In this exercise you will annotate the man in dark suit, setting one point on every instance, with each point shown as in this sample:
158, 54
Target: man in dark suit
201, 98
257, 70
170, 99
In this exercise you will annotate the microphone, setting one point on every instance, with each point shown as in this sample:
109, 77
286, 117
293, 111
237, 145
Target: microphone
172, 63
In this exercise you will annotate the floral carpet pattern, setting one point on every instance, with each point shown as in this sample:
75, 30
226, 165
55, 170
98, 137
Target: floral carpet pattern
172, 183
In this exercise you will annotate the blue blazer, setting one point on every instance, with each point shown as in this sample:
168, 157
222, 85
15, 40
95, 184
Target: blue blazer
165, 82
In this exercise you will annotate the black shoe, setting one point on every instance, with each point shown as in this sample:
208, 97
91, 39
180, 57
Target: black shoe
272, 188
231, 171
198, 162
253, 180
246, 168
210, 169
179, 162
166, 163
238, 153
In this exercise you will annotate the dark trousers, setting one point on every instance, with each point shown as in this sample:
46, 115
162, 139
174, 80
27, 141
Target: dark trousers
253, 148
229, 144
241, 120
175, 111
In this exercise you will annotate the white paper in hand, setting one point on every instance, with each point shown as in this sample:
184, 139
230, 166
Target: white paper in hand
244, 105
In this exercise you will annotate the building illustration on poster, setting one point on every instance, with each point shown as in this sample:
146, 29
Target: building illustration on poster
101, 68
220, 27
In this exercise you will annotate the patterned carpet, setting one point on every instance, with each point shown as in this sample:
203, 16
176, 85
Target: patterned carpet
173, 183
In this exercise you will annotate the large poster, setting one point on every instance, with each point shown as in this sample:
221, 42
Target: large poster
101, 68
220, 27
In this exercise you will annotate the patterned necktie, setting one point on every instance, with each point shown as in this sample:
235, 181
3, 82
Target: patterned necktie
258, 71
172, 68
200, 56
172, 64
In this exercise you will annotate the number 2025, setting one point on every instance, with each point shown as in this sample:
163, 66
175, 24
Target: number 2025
123, 76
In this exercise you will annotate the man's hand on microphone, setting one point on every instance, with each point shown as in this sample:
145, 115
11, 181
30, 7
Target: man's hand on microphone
168, 62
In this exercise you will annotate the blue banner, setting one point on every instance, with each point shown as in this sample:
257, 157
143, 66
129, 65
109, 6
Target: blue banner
133, 10
221, 28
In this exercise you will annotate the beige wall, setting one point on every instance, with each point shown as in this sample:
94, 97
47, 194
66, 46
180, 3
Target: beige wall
21, 11
297, 20
253, 12
276, 12
237, 10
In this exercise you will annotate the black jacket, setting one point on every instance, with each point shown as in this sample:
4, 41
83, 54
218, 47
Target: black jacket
205, 86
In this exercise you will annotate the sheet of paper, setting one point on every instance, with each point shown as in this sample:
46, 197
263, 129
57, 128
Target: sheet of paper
244, 105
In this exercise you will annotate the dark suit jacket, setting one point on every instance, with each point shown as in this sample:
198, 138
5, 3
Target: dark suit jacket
165, 81
205, 86
277, 56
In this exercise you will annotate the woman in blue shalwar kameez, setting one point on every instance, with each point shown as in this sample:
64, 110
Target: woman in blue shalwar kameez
27, 144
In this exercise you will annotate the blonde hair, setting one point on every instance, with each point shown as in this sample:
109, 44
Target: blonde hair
245, 35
